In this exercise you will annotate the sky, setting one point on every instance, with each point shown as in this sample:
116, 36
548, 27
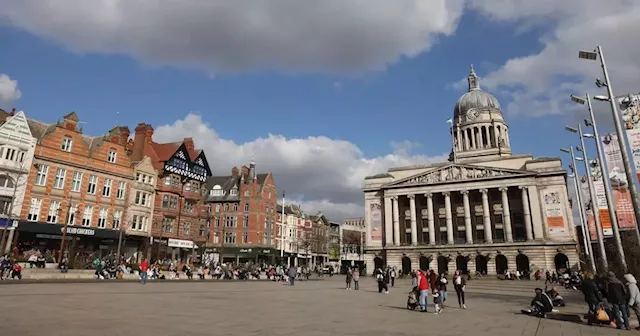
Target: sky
321, 93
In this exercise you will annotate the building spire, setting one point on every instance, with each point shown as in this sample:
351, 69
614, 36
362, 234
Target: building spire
474, 82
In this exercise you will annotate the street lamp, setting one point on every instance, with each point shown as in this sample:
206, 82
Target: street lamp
594, 202
586, 237
622, 135
591, 122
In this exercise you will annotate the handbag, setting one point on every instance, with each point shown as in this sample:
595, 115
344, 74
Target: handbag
601, 315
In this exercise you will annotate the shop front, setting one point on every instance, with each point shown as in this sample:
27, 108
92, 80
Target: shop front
82, 244
180, 250
241, 255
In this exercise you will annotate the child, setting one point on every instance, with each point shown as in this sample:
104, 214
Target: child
437, 301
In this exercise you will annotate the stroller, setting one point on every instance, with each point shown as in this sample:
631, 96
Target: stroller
412, 299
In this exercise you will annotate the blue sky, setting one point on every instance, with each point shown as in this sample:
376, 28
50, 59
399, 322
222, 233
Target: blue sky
378, 111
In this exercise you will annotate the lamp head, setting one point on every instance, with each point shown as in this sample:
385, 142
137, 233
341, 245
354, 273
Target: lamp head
578, 100
571, 129
588, 55
600, 83
588, 123
602, 98
564, 150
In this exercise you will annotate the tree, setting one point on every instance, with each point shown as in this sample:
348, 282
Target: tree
351, 241
13, 178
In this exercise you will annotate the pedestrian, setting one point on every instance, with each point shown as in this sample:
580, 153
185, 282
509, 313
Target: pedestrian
459, 284
349, 277
382, 284
423, 287
356, 278
442, 289
414, 277
392, 275
617, 297
634, 294
144, 267
292, 273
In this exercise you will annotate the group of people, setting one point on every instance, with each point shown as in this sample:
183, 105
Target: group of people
606, 293
427, 282
10, 268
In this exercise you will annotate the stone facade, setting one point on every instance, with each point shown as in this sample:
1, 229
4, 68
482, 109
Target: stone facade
485, 210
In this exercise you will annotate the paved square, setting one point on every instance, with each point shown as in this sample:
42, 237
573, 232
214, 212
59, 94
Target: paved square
267, 308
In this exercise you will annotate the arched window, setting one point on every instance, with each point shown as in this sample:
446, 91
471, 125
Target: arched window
217, 191
6, 182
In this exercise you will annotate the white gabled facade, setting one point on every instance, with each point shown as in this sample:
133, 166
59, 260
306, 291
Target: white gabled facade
17, 147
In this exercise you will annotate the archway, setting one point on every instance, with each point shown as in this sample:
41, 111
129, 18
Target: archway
424, 263
462, 264
501, 264
522, 265
406, 265
443, 264
481, 264
377, 262
561, 261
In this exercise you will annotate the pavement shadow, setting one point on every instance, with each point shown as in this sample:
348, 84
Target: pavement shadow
572, 318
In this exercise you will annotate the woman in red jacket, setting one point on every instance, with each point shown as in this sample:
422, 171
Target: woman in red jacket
423, 287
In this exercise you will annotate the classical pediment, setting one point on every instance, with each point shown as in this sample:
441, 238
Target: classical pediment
456, 173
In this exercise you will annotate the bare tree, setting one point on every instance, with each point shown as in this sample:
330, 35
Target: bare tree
12, 177
351, 241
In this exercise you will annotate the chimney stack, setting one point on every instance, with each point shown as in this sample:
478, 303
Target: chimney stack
142, 138
235, 172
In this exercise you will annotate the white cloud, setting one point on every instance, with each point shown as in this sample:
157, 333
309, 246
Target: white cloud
9, 91
249, 35
540, 83
322, 174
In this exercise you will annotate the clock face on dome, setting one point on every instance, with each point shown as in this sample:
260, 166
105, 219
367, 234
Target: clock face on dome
472, 114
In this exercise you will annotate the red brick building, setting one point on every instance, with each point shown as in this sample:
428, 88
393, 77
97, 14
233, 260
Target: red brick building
179, 223
243, 209
79, 180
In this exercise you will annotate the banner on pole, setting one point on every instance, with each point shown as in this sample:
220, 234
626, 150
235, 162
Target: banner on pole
601, 201
619, 184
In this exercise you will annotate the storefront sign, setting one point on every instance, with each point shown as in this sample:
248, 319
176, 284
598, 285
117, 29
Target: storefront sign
79, 231
245, 250
181, 243
5, 222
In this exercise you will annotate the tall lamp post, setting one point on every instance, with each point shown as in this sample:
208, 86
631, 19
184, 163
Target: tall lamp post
622, 135
605, 176
64, 230
594, 202
586, 237
282, 230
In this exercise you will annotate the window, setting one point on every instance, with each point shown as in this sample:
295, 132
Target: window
235, 206
216, 222
144, 199
117, 219
41, 175
226, 207
167, 225
187, 186
217, 207
71, 216
188, 207
230, 221
102, 218
5, 207
175, 181
247, 192
121, 189
245, 221
145, 224
186, 229
106, 189
229, 237
67, 142
93, 185
86, 215
173, 202
34, 210
112, 155
58, 182
245, 237
234, 192
165, 201
246, 207
54, 208
76, 183
6, 182
167, 180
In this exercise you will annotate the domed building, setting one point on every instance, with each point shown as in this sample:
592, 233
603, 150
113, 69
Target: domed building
485, 210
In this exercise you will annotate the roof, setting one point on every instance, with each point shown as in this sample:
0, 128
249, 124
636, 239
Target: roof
40, 129
475, 98
227, 183
290, 209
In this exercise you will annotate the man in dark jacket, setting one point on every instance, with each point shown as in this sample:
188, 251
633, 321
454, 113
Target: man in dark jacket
540, 305
592, 295
617, 297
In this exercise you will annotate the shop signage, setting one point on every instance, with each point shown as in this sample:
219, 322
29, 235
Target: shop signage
79, 231
245, 250
181, 243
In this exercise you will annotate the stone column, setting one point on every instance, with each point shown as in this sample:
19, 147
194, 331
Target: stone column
479, 137
496, 135
467, 216
465, 136
388, 221
506, 214
527, 213
536, 213
432, 230
488, 235
414, 223
396, 222
488, 134
472, 138
459, 137
447, 209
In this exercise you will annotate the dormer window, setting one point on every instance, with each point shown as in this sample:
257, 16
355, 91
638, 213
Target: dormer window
112, 155
67, 143
234, 192
217, 191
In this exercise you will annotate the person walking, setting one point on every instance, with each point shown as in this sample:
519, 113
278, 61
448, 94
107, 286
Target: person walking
442, 289
423, 287
292, 273
356, 279
459, 284
634, 294
617, 297
144, 267
392, 275
349, 277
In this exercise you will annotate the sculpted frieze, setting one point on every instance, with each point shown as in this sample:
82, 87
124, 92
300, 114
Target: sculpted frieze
456, 173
